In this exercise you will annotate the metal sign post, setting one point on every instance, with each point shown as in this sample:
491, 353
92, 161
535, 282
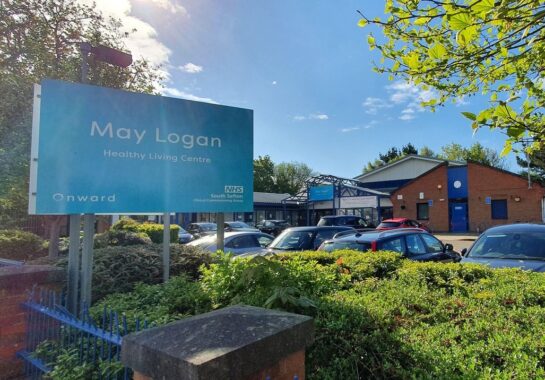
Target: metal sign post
166, 246
220, 222
74, 264
87, 259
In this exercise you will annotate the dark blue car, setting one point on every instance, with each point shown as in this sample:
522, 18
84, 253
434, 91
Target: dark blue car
510, 246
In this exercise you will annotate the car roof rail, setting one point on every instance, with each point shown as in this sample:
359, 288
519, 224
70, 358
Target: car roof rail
397, 230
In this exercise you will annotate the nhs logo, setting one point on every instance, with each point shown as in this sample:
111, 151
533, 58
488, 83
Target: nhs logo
230, 189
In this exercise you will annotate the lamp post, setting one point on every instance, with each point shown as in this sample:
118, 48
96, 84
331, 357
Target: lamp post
75, 281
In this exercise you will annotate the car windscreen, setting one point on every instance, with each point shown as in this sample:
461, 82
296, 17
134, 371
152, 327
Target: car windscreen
293, 240
209, 227
326, 222
389, 225
237, 225
330, 246
519, 245
204, 242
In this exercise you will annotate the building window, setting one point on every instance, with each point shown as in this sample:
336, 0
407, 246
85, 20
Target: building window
422, 211
499, 208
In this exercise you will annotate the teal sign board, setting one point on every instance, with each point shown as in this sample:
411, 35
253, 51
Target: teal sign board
99, 150
321, 193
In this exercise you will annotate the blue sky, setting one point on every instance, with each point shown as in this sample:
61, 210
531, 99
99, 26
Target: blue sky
304, 68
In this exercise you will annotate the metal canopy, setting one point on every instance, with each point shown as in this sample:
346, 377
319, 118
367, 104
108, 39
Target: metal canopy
346, 187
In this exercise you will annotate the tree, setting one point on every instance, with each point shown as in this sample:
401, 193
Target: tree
393, 154
476, 152
291, 177
461, 48
427, 152
39, 39
537, 166
264, 175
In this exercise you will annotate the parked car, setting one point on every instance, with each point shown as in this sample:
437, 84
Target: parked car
273, 227
199, 230
413, 243
237, 243
304, 238
239, 226
390, 224
512, 246
356, 222
184, 236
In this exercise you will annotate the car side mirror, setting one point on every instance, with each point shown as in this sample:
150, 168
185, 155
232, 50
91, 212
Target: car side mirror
448, 247
464, 251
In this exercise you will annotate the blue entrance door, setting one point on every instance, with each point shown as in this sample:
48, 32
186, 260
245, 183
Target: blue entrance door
458, 217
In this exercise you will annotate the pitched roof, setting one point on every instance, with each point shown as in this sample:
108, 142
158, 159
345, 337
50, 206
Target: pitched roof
407, 158
269, 197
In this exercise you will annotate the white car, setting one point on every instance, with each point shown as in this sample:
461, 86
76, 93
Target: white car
237, 243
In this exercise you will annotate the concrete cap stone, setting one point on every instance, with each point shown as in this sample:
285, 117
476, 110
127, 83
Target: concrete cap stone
230, 343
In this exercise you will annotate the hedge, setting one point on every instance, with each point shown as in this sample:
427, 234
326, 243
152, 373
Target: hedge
376, 315
117, 269
153, 230
20, 245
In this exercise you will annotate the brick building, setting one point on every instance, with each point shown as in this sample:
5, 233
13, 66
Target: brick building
472, 198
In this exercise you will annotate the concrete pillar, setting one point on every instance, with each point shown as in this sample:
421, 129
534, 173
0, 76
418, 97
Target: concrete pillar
238, 342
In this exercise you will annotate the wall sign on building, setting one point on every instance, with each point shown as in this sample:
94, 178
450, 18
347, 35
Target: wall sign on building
359, 202
99, 150
321, 193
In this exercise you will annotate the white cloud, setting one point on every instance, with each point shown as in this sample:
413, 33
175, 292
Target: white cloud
171, 6
184, 95
406, 116
411, 96
373, 105
344, 130
312, 116
320, 116
371, 124
191, 68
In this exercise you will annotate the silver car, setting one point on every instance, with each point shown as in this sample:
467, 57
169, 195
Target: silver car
237, 243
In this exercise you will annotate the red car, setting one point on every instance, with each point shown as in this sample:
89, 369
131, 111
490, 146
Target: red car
391, 224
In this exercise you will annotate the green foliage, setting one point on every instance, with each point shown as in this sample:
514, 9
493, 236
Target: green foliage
476, 152
119, 269
120, 237
264, 175
289, 284
158, 304
468, 47
392, 155
66, 366
537, 165
291, 177
153, 230
377, 315
285, 177
20, 245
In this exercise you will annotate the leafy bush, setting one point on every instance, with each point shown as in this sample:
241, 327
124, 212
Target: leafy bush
377, 315
158, 304
20, 245
153, 230
118, 269
120, 237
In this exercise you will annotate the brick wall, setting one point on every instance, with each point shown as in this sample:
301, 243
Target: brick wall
485, 182
15, 283
427, 184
